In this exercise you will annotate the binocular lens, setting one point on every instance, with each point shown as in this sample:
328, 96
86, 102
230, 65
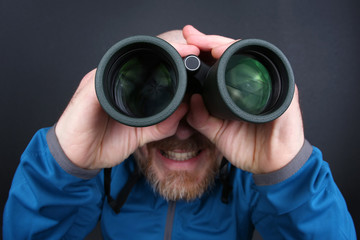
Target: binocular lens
143, 84
140, 81
248, 83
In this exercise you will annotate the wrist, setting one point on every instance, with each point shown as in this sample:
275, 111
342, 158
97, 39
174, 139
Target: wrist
62, 159
286, 171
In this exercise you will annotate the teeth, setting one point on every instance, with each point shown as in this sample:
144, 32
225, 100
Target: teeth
179, 156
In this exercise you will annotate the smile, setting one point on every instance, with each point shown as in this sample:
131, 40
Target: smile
179, 156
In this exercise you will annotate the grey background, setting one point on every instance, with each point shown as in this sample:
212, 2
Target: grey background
46, 47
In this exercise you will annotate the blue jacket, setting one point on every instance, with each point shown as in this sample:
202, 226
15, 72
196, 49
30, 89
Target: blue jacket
52, 199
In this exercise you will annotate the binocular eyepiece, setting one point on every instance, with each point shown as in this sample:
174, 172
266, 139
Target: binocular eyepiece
142, 80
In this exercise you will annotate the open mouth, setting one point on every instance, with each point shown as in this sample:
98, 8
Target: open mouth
180, 156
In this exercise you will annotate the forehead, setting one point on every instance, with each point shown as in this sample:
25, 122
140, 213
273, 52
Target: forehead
175, 36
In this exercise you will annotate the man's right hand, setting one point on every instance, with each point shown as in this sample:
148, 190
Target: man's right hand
93, 140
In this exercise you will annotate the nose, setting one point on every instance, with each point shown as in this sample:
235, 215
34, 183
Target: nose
184, 130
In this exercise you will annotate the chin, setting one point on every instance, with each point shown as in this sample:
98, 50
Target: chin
179, 179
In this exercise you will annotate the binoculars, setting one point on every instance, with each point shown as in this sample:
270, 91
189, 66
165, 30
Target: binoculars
141, 80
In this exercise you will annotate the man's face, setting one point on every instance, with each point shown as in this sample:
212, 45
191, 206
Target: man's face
182, 166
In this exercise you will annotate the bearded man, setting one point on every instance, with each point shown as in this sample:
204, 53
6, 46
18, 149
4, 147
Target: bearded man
171, 180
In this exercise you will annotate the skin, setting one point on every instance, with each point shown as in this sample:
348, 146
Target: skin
92, 140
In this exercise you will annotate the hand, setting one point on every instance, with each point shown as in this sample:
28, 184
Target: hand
93, 140
257, 148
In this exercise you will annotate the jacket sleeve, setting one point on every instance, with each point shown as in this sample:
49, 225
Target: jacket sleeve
301, 201
49, 201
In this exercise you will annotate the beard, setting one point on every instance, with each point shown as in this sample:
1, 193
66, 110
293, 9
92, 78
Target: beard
174, 185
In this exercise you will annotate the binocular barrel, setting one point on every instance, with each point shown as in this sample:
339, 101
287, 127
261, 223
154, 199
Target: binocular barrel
142, 80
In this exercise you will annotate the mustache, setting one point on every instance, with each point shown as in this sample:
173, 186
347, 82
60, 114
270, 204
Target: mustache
195, 142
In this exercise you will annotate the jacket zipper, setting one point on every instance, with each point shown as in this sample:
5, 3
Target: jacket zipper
169, 220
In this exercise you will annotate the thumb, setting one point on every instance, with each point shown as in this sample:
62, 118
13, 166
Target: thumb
163, 129
201, 120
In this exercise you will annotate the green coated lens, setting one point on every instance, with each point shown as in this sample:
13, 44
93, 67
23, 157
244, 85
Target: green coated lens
248, 83
144, 84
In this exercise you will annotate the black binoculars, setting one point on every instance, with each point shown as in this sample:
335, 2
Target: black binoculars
142, 80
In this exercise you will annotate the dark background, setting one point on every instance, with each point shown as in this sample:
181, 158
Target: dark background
47, 46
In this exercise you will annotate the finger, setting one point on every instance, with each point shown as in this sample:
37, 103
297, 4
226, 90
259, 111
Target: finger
90, 76
208, 42
200, 119
165, 128
185, 49
177, 40
190, 30
290, 123
218, 51
215, 43
83, 103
